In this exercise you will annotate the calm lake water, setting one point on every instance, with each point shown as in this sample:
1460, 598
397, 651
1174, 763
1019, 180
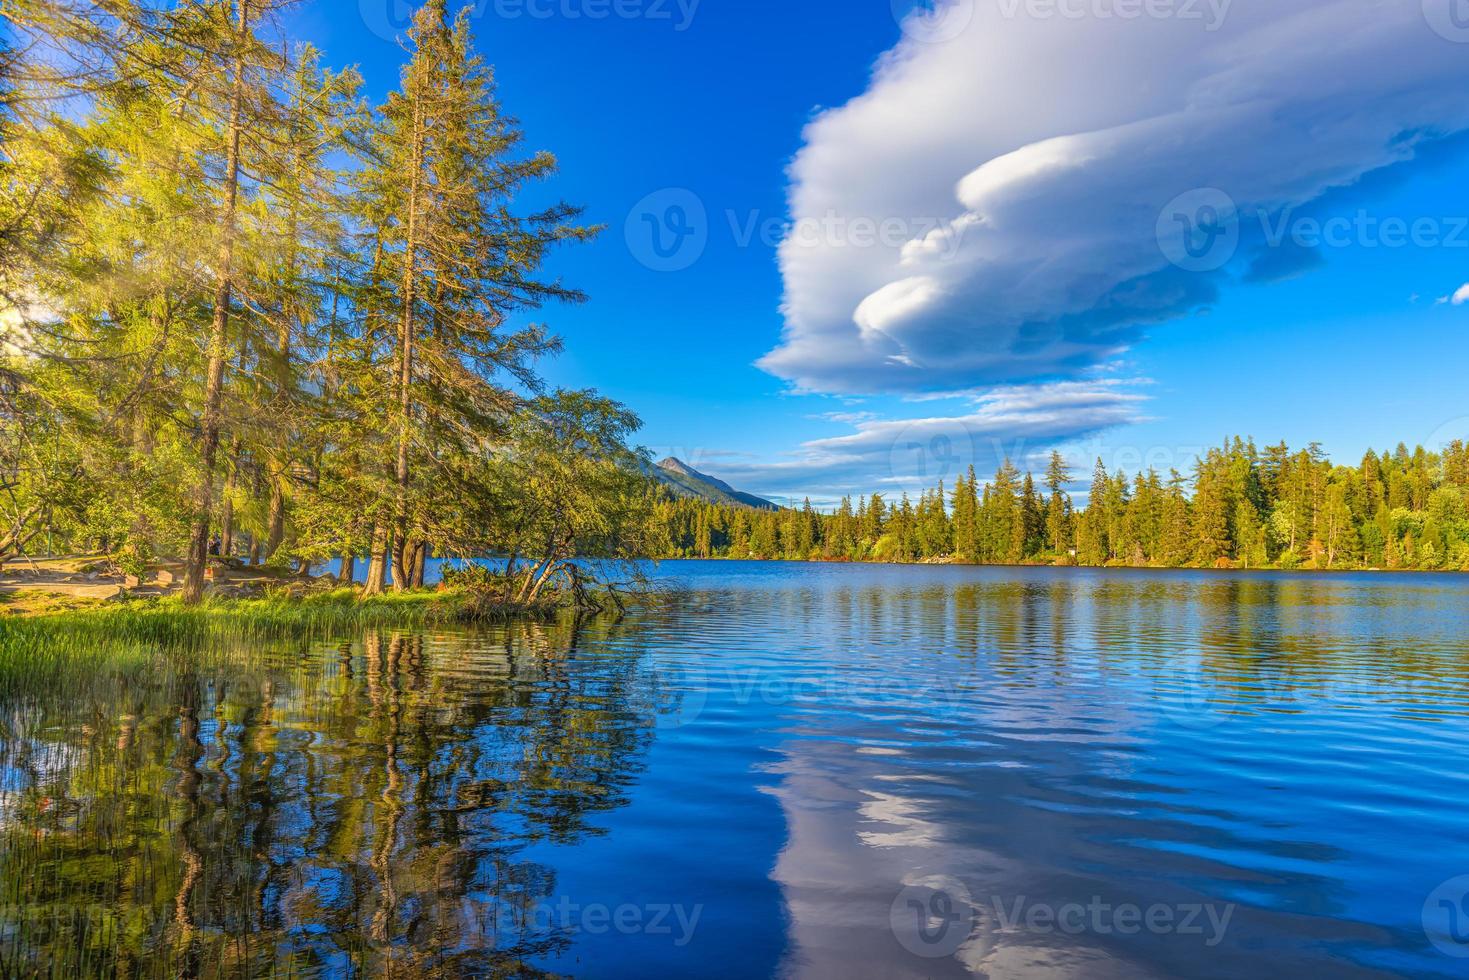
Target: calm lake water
825, 771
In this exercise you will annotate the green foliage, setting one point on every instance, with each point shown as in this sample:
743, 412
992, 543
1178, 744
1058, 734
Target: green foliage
1248, 509
239, 301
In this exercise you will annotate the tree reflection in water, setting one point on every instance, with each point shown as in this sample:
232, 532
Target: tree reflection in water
314, 808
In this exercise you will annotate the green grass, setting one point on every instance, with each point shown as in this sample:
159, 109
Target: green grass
116, 640
123, 638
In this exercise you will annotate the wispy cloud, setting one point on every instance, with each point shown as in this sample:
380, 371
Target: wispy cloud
846, 418
898, 455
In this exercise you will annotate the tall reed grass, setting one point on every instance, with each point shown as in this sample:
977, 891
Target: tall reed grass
132, 636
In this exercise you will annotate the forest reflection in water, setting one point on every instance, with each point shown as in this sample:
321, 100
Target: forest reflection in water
363, 805
750, 777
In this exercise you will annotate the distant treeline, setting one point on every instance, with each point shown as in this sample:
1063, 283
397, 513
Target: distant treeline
1242, 507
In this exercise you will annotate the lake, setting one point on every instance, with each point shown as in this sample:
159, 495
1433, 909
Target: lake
806, 770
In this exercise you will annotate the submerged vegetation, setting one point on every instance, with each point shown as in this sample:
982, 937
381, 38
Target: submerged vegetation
1243, 507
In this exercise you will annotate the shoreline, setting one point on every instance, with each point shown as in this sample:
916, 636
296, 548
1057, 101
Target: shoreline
21, 600
1272, 569
47, 600
129, 636
324, 607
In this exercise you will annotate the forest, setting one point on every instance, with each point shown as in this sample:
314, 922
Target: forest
246, 311
1242, 507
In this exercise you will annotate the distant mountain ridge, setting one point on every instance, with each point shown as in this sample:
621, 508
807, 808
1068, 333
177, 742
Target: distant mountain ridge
685, 481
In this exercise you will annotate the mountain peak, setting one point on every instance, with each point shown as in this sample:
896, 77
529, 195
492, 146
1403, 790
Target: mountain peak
685, 481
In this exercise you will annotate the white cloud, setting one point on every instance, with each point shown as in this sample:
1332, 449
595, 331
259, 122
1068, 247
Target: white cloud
896, 455
1036, 155
1461, 296
885, 311
845, 418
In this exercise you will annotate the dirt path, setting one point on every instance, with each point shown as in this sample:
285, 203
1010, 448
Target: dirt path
71, 582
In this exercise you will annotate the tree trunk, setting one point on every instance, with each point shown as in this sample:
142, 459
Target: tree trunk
420, 561
406, 329
510, 573
377, 570
227, 507
276, 524
15, 543
347, 570
214, 385
537, 575
546, 569
400, 557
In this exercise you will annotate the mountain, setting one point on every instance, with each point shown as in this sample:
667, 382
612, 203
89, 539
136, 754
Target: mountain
685, 481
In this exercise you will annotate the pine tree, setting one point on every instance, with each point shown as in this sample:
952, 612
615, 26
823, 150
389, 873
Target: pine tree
237, 44
1058, 508
1175, 545
1004, 528
966, 514
1213, 511
1099, 502
1339, 535
456, 262
1249, 535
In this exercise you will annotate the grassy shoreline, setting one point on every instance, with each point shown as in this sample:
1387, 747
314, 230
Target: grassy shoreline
123, 637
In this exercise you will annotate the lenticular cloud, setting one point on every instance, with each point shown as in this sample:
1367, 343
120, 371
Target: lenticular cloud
1040, 242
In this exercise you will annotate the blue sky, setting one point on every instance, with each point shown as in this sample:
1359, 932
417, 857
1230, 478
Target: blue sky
1032, 151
